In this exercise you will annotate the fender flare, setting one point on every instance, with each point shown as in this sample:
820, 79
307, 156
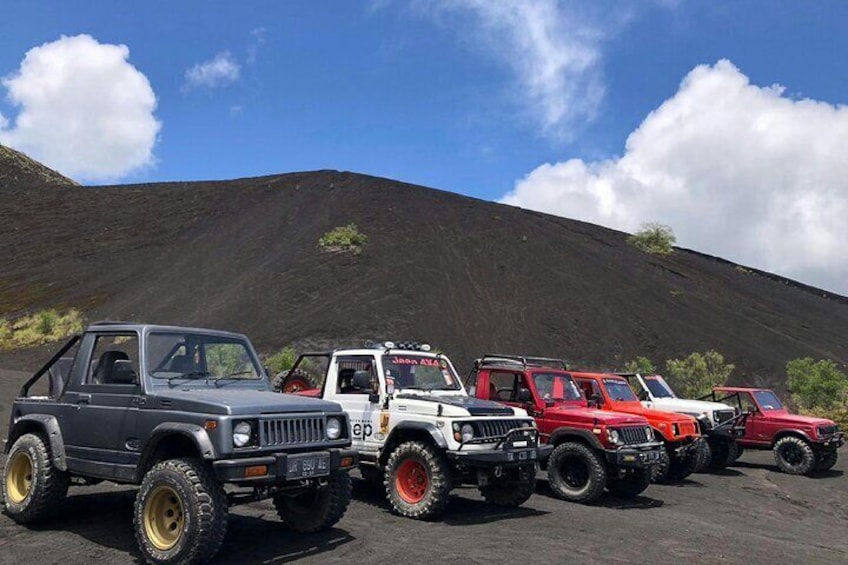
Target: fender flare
48, 425
435, 433
792, 432
578, 432
198, 436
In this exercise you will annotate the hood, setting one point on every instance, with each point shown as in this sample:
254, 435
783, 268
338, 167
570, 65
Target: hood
454, 405
796, 420
590, 415
695, 407
635, 407
240, 402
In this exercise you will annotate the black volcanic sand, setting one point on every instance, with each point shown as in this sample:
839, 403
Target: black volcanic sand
468, 276
748, 514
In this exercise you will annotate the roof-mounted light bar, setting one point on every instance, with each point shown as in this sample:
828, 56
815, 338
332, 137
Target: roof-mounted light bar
405, 345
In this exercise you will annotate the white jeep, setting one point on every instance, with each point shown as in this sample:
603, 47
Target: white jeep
720, 423
418, 431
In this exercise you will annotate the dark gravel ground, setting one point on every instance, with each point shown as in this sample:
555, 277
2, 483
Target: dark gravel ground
747, 514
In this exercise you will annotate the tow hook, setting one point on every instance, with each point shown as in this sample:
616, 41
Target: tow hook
498, 471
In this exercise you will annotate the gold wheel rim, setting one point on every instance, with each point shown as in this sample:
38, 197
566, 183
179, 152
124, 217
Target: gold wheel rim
19, 478
164, 518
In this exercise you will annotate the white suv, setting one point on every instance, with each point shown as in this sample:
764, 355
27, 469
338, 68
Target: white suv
719, 423
418, 431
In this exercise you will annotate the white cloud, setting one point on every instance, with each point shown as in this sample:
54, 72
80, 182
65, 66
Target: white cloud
553, 49
258, 36
84, 109
222, 70
737, 170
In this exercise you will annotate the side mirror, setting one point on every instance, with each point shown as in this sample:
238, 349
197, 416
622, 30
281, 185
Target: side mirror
596, 399
524, 395
643, 395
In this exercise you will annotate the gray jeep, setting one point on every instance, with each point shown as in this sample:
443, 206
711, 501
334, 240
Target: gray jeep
180, 412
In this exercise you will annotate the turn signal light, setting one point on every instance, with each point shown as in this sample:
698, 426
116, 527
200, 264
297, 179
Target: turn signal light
256, 471
210, 424
346, 462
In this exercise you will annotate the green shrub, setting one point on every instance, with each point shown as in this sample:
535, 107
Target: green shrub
696, 375
343, 238
653, 238
42, 327
816, 385
283, 360
641, 365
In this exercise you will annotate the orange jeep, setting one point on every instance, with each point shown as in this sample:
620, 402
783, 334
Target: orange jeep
678, 432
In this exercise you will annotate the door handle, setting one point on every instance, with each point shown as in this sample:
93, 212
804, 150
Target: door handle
84, 399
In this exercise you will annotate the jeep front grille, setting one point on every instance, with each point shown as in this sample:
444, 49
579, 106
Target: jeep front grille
496, 429
828, 430
292, 431
633, 435
723, 415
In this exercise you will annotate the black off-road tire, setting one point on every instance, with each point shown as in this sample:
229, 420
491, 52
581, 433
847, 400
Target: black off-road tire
576, 473
722, 450
735, 453
34, 488
659, 472
630, 485
825, 460
513, 493
317, 509
794, 456
705, 455
681, 467
437, 480
204, 507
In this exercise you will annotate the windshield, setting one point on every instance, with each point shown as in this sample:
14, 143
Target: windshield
557, 386
768, 400
179, 357
419, 372
658, 387
619, 390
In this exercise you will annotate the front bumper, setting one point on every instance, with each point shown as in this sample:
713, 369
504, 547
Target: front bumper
518, 447
278, 469
834, 441
636, 456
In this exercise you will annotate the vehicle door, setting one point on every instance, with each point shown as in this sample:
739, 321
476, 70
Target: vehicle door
361, 402
591, 390
756, 427
100, 404
507, 387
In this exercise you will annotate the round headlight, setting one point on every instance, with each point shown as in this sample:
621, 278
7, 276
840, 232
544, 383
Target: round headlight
242, 433
467, 432
612, 435
649, 433
334, 428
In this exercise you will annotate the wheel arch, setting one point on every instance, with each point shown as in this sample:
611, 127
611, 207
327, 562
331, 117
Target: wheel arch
174, 440
411, 431
561, 435
45, 425
800, 434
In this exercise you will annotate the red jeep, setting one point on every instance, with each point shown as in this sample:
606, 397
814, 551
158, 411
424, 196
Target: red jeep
679, 433
801, 444
594, 449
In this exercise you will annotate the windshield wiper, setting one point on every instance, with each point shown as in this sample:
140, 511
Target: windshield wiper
236, 376
190, 376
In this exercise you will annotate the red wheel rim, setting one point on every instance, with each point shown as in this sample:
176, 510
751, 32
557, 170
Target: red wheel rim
412, 481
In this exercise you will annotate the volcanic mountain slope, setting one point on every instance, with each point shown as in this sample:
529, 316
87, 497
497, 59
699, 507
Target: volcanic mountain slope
470, 277
16, 169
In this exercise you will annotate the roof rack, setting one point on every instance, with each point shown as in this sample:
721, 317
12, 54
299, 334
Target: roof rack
113, 323
407, 345
501, 359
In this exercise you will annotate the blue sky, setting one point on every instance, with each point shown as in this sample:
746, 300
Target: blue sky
539, 104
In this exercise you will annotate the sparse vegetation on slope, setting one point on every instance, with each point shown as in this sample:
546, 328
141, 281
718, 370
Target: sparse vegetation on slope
44, 326
343, 238
654, 238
